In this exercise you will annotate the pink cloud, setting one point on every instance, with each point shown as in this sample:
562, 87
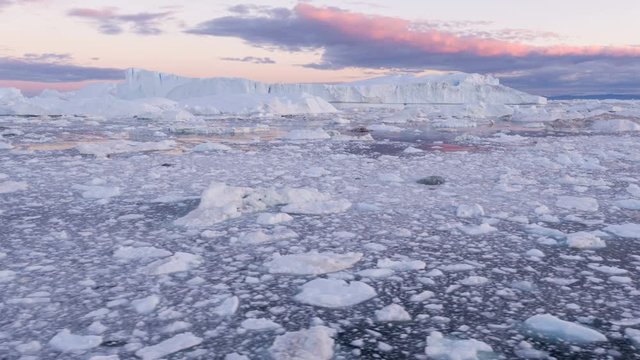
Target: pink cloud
398, 31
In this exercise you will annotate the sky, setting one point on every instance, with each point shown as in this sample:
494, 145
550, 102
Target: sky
546, 47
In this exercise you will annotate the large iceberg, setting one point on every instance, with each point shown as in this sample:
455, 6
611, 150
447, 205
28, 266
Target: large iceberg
152, 94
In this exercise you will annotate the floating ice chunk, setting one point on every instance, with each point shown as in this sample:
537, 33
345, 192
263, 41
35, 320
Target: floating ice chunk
259, 324
526, 351
334, 293
306, 134
634, 190
544, 231
633, 335
209, 146
143, 252
535, 253
5, 146
315, 343
629, 230
627, 322
103, 149
318, 207
441, 348
550, 327
97, 192
236, 356
7, 275
615, 125
475, 230
376, 273
560, 281
620, 279
29, 347
272, 219
65, 341
474, 281
262, 237
412, 150
392, 312
12, 186
401, 265
228, 307
312, 263
469, 211
587, 204
631, 204
218, 203
422, 296
611, 270
169, 346
145, 305
457, 267
178, 262
585, 240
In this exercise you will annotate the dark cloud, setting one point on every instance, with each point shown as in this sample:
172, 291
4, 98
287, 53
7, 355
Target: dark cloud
52, 68
111, 22
251, 59
349, 39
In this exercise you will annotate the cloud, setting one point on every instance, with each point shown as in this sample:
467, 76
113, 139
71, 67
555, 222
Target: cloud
111, 22
52, 68
350, 39
7, 3
251, 59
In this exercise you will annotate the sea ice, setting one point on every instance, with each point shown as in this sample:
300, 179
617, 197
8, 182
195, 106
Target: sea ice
65, 341
441, 348
259, 324
334, 293
178, 262
12, 186
312, 263
629, 230
392, 312
272, 219
169, 346
315, 343
469, 211
228, 307
587, 204
145, 305
552, 328
110, 147
142, 252
585, 240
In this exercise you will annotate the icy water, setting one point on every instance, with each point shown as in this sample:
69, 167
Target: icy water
67, 213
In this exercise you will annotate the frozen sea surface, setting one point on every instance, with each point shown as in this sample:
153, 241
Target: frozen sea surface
92, 262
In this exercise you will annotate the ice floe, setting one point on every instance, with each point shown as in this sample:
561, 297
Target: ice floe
334, 293
311, 263
552, 328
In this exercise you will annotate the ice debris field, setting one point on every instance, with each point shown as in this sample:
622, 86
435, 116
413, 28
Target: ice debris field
439, 217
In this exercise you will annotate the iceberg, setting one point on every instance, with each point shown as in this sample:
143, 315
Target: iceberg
150, 94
